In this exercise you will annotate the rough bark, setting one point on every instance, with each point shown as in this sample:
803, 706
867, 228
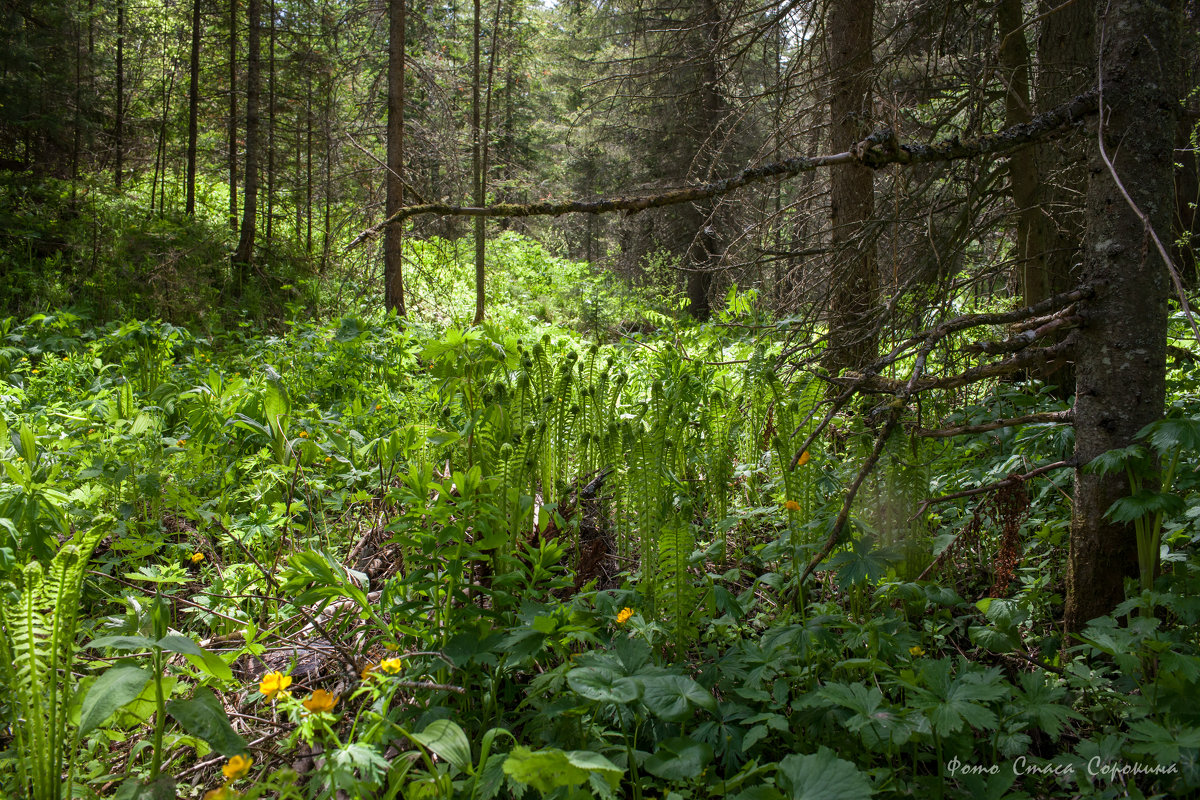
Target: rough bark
233, 117
477, 168
244, 255
119, 127
393, 246
1121, 351
853, 281
193, 110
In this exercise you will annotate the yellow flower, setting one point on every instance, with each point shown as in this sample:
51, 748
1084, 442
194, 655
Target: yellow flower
328, 459
804, 457
274, 683
223, 793
303, 434
916, 651
35, 372
792, 505
623, 615
237, 767
392, 665
181, 442
196, 558
377, 405
367, 670
321, 700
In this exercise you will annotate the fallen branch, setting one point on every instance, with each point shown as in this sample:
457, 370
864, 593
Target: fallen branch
878, 150
1028, 419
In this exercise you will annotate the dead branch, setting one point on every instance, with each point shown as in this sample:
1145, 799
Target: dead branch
991, 487
1028, 419
1026, 337
878, 150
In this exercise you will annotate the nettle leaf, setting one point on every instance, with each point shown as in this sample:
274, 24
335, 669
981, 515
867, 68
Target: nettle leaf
822, 776
112, 690
203, 716
603, 685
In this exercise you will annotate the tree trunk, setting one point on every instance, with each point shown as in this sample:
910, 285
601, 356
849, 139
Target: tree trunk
271, 125
233, 117
393, 246
1121, 351
854, 282
193, 111
244, 255
477, 169
119, 128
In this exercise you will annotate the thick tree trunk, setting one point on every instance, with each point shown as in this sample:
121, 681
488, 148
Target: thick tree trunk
244, 255
854, 282
1121, 352
270, 221
393, 246
193, 111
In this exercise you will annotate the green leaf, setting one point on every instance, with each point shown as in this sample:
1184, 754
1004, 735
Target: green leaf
124, 643
447, 740
1145, 503
547, 770
672, 696
603, 685
822, 776
204, 716
174, 643
679, 759
116, 687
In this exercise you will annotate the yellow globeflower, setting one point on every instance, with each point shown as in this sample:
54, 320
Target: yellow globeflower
196, 558
321, 700
623, 615
237, 767
792, 505
392, 665
916, 651
222, 793
804, 457
273, 683
367, 670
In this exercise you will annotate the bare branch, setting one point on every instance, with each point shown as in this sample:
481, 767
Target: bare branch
876, 151
996, 424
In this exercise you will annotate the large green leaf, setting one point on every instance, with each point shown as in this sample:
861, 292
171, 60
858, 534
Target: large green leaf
113, 689
447, 740
679, 759
547, 770
672, 696
603, 685
822, 776
203, 716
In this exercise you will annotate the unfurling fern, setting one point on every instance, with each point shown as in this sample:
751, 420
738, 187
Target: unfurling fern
677, 593
37, 645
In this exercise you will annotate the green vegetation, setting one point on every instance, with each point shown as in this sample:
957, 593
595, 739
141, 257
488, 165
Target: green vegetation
539, 557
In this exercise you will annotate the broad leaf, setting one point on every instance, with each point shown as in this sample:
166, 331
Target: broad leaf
115, 688
203, 716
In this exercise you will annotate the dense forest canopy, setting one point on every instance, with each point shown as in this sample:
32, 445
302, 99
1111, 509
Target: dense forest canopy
694, 398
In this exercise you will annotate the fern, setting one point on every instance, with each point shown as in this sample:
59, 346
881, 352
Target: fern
37, 645
677, 593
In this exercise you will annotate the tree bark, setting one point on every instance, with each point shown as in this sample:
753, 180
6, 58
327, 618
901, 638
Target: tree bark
477, 167
233, 117
393, 247
193, 111
854, 282
244, 255
1121, 352
119, 127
